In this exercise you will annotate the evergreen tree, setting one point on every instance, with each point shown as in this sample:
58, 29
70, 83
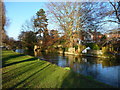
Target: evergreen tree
41, 23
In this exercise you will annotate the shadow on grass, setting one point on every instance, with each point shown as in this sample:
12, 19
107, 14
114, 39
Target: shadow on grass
30, 76
20, 72
21, 66
11, 56
31, 59
74, 80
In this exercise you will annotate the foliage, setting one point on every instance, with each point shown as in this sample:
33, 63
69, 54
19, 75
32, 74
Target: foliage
76, 47
96, 47
41, 22
81, 48
28, 39
53, 39
93, 46
10, 43
62, 41
23, 71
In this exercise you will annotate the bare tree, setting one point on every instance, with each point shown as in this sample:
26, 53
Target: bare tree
74, 17
67, 15
115, 12
29, 25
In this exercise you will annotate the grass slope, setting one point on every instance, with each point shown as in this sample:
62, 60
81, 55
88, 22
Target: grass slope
24, 71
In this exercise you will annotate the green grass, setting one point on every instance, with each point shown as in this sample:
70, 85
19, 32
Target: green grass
24, 71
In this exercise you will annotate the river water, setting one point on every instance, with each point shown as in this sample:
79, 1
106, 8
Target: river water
103, 70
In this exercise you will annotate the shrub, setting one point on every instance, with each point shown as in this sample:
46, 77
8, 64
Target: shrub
96, 47
76, 47
105, 49
93, 46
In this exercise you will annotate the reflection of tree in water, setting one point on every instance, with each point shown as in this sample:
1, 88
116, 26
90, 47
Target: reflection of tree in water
109, 63
89, 66
76, 62
50, 57
28, 52
82, 65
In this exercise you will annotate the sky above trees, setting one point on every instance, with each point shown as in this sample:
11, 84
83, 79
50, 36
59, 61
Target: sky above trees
19, 12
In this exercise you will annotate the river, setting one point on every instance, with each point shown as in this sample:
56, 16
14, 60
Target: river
103, 70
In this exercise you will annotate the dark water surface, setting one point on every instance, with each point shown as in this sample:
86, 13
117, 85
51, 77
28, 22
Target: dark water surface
103, 70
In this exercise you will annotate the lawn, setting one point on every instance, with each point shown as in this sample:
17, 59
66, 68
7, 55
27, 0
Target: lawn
24, 71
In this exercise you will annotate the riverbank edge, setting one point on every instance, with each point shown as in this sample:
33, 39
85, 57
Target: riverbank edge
107, 56
102, 85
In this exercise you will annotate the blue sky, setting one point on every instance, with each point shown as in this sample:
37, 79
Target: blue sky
19, 12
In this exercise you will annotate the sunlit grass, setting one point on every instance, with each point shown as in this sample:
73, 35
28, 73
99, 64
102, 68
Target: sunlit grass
24, 71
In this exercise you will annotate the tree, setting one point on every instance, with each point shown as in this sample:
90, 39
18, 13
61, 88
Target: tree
54, 34
54, 38
11, 43
3, 22
74, 17
41, 23
115, 11
29, 25
104, 12
28, 39
108, 12
112, 15
66, 14
84, 15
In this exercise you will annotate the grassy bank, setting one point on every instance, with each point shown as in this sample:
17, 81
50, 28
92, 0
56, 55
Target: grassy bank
24, 71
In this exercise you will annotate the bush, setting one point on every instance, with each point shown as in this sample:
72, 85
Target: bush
62, 41
76, 47
96, 47
105, 49
93, 46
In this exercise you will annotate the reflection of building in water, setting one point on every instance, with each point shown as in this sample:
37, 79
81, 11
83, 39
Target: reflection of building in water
107, 62
84, 59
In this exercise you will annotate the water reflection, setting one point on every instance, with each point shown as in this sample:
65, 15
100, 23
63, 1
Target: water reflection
100, 69
103, 70
19, 50
25, 52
